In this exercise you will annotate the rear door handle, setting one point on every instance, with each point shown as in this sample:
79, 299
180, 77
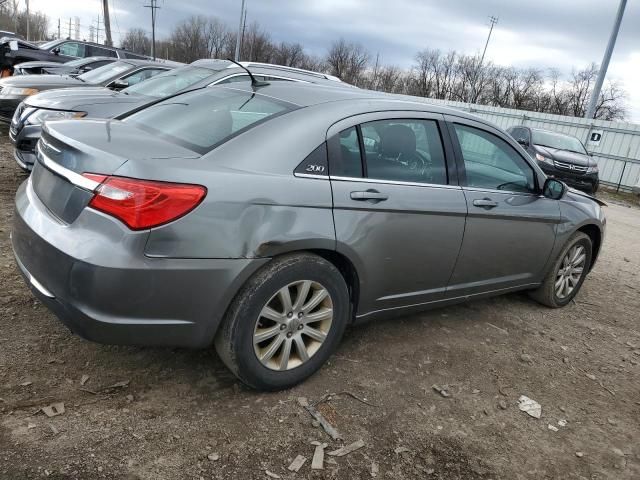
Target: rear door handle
485, 203
372, 196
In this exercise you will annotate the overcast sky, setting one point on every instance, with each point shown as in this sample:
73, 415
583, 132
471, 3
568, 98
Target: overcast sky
540, 33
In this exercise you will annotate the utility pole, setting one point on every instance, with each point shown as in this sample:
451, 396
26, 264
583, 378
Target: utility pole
595, 95
244, 29
238, 38
107, 22
98, 29
153, 8
492, 20
69, 37
59, 36
28, 21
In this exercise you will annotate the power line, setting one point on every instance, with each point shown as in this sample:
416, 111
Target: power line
153, 8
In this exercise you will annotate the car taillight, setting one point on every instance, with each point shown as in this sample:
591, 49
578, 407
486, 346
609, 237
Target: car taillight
143, 204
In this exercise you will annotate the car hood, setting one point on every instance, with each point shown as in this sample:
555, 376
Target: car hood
565, 156
42, 81
87, 99
579, 195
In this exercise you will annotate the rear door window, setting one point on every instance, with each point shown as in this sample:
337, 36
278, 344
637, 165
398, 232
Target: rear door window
101, 52
404, 150
203, 119
344, 154
73, 49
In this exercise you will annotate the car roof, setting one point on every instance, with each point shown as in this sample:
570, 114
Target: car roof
144, 63
309, 95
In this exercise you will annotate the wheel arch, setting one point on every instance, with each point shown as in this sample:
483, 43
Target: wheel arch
348, 271
595, 234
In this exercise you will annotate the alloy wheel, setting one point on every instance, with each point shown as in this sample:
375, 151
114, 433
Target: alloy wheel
570, 271
293, 325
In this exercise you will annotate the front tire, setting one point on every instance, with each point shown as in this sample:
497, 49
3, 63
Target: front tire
285, 322
565, 278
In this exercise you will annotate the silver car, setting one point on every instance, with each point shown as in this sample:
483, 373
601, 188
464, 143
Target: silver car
267, 219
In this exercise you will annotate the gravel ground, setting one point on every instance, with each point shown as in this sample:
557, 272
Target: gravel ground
179, 414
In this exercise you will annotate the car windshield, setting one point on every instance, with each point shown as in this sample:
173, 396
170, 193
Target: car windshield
105, 72
203, 119
48, 45
170, 82
555, 140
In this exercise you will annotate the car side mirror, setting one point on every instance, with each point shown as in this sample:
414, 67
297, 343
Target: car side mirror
523, 141
554, 189
119, 84
56, 51
87, 69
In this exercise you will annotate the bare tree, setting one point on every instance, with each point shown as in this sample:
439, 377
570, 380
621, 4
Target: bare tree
136, 40
347, 61
217, 38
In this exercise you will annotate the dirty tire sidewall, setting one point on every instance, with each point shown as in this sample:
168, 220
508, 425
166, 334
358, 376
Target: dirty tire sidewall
234, 341
546, 294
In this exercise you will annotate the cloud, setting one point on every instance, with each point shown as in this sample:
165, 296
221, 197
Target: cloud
542, 33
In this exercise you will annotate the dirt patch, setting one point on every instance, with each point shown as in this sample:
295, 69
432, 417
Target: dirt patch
580, 363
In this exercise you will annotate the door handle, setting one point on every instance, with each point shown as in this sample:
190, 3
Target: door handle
372, 196
485, 203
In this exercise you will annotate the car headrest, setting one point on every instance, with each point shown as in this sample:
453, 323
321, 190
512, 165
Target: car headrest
396, 140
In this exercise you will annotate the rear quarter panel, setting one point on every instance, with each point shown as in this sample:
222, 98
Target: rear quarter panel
255, 206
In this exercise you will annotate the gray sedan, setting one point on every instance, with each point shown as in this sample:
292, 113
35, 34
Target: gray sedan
266, 219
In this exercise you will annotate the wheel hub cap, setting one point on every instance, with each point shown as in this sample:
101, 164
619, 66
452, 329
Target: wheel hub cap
293, 325
570, 271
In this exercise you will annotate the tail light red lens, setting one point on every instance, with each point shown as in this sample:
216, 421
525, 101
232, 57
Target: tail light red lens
143, 204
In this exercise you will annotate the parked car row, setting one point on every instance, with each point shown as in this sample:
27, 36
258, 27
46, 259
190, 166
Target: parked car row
72, 67
263, 209
14, 51
112, 100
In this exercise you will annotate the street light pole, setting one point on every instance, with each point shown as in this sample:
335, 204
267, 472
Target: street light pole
237, 57
595, 95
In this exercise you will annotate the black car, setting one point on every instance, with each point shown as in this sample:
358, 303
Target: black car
560, 156
26, 125
14, 51
116, 76
74, 67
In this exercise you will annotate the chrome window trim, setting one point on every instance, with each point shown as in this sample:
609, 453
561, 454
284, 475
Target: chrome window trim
73, 177
257, 74
377, 181
493, 190
392, 182
310, 175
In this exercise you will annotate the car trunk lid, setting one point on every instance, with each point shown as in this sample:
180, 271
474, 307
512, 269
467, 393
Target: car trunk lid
57, 176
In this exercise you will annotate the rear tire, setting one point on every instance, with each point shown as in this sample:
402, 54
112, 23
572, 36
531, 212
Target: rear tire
565, 278
273, 336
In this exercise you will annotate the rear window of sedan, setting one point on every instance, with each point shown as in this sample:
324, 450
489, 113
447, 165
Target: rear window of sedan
206, 118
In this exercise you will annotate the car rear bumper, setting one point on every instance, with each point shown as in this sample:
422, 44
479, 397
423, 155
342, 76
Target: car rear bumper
111, 293
586, 181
